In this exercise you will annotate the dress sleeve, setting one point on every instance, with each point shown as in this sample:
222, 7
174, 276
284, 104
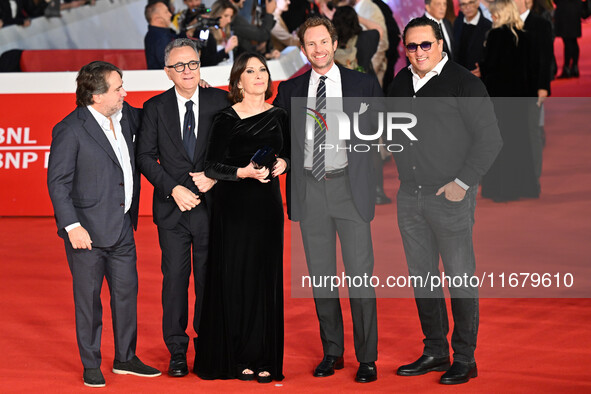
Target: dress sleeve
285, 153
222, 130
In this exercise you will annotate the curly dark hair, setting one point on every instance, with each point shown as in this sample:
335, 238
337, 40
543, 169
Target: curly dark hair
234, 94
346, 23
92, 79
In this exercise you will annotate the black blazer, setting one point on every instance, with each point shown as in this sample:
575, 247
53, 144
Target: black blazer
85, 179
161, 155
475, 45
540, 54
450, 32
360, 169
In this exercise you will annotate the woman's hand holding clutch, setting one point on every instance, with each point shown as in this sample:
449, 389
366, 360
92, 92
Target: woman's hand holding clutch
251, 172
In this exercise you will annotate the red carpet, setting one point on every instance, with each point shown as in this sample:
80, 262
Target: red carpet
524, 345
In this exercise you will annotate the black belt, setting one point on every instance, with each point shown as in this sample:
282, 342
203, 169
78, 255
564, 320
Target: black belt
329, 174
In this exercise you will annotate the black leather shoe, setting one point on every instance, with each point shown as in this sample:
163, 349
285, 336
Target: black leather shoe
574, 71
328, 365
423, 365
459, 373
178, 366
93, 377
566, 73
366, 373
381, 198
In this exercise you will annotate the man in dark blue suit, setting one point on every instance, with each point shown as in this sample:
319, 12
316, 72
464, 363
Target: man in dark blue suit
332, 192
94, 188
171, 155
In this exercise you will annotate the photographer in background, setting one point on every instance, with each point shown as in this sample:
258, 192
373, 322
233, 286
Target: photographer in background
253, 37
220, 43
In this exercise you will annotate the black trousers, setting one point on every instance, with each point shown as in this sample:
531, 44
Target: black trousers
117, 264
571, 52
190, 237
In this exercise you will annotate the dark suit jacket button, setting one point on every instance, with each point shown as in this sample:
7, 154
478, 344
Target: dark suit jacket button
121, 184
121, 205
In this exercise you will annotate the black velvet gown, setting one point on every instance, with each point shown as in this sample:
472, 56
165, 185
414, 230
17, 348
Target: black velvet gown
503, 69
242, 317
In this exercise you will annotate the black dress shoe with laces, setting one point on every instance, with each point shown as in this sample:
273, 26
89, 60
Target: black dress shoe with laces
366, 373
328, 365
459, 373
423, 365
178, 366
93, 377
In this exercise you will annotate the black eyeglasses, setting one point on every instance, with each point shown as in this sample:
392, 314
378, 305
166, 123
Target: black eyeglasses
180, 67
425, 46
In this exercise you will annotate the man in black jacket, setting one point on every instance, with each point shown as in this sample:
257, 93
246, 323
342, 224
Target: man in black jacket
458, 139
470, 29
171, 155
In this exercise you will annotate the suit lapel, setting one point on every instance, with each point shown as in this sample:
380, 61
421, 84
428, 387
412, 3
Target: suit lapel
126, 131
94, 130
301, 90
172, 123
201, 126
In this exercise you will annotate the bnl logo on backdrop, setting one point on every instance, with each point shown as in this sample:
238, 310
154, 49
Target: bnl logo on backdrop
344, 129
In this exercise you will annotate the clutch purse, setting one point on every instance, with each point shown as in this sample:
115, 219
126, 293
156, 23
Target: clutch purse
264, 157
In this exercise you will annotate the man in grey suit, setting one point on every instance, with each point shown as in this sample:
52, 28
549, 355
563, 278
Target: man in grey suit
94, 188
332, 192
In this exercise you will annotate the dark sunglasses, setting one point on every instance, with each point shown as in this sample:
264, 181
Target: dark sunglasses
180, 67
425, 46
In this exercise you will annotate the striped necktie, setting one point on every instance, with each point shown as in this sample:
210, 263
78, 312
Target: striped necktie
318, 162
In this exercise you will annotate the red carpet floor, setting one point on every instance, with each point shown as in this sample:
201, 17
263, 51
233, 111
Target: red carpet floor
524, 345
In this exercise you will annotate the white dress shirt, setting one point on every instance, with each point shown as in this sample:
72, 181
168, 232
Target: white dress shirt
446, 36
418, 82
335, 158
182, 109
121, 150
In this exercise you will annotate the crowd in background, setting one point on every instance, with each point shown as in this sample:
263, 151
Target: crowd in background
20, 12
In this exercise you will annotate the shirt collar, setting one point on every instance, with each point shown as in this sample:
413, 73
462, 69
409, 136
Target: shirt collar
436, 70
432, 17
524, 15
475, 20
181, 100
333, 75
102, 120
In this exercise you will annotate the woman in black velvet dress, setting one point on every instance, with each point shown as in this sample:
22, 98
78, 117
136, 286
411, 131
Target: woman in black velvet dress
241, 331
503, 70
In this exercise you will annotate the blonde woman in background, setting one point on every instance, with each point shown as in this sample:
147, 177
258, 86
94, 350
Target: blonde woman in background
504, 73
221, 43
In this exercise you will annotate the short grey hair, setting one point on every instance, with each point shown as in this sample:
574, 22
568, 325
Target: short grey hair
179, 43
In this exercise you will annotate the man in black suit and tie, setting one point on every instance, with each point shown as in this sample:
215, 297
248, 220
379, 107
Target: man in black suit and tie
94, 188
458, 140
435, 10
171, 152
470, 29
332, 192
